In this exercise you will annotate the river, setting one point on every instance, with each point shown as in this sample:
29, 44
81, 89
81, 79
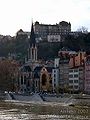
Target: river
38, 111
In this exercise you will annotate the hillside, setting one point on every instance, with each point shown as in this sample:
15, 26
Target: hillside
18, 46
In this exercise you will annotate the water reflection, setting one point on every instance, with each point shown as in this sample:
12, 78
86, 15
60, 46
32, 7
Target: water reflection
28, 111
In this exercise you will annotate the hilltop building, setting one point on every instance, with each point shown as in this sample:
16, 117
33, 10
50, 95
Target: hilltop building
21, 32
52, 33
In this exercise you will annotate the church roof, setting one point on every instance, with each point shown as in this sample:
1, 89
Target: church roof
49, 69
38, 69
26, 69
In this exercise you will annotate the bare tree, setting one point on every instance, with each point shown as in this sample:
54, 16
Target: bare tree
82, 29
8, 74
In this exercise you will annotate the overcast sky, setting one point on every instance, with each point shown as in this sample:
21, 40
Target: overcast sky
18, 14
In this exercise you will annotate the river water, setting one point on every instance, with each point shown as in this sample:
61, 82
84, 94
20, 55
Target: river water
38, 111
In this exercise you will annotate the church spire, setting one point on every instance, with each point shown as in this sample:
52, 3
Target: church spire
32, 51
32, 37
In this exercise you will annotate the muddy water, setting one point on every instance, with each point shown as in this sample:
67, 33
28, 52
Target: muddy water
33, 111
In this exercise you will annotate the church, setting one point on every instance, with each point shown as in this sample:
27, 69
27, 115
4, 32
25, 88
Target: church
33, 76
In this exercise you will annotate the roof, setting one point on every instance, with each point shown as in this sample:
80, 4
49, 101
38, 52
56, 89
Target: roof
49, 69
20, 30
38, 68
37, 71
26, 69
64, 23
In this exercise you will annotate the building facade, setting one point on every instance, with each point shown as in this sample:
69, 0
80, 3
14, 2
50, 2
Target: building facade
43, 30
87, 75
25, 79
54, 38
77, 59
55, 79
43, 79
76, 79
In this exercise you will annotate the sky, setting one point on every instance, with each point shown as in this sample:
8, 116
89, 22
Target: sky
18, 14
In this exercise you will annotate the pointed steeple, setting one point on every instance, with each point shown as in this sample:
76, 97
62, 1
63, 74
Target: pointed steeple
32, 41
32, 51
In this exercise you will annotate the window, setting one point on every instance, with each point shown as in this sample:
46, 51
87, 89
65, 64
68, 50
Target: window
75, 81
21, 79
70, 70
36, 83
80, 69
50, 81
54, 75
76, 87
24, 79
76, 75
70, 81
70, 76
54, 85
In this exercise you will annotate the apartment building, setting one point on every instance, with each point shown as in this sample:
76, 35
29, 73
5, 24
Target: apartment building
87, 75
77, 59
55, 75
76, 79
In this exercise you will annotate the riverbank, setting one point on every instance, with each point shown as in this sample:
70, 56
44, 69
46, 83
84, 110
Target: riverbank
66, 99
37, 98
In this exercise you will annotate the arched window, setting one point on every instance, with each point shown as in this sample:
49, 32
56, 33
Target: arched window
24, 79
21, 79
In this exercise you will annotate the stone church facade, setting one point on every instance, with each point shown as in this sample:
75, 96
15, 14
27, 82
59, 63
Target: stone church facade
33, 76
